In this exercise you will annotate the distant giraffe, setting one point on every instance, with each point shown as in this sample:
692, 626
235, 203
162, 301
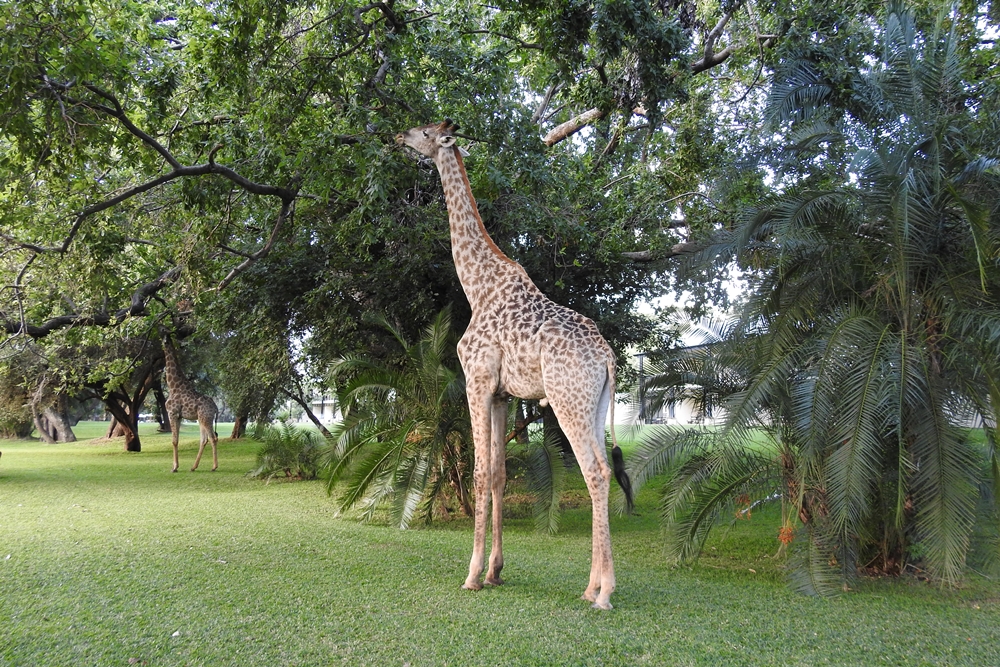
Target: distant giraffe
186, 403
519, 343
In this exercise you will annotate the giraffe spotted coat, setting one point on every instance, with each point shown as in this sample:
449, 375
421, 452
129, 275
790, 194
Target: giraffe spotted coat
184, 402
520, 343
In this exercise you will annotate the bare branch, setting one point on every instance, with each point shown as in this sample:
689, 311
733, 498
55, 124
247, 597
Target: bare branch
651, 256
286, 211
709, 57
540, 111
572, 126
120, 114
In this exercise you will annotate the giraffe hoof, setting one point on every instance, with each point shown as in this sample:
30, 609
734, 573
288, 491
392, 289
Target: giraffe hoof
606, 606
493, 581
589, 597
473, 586
174, 470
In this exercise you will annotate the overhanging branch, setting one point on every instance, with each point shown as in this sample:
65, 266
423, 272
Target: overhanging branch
136, 307
651, 256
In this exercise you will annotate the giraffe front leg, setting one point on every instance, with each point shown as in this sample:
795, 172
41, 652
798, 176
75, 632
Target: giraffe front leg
201, 450
497, 485
174, 436
480, 414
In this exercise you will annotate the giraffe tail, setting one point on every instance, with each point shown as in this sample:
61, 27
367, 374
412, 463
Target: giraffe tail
617, 458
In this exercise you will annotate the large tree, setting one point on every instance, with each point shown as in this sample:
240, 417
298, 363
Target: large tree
869, 342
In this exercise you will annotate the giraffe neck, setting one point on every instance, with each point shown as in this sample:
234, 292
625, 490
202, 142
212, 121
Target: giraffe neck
478, 260
175, 380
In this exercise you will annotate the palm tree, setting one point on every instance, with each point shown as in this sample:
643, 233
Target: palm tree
405, 439
872, 335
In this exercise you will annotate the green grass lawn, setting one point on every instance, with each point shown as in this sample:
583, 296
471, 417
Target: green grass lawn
106, 558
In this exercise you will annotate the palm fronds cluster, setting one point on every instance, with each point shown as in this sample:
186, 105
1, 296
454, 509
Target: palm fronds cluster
870, 342
288, 450
405, 440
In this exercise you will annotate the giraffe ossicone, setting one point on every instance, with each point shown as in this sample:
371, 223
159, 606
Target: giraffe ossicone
519, 343
186, 403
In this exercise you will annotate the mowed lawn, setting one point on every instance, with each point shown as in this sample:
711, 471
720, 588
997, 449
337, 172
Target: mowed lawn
106, 558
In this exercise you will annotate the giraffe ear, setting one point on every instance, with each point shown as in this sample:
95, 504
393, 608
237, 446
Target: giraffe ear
446, 141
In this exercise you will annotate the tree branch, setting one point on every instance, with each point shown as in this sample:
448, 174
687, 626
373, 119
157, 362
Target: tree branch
651, 256
136, 307
709, 58
572, 126
286, 210
119, 113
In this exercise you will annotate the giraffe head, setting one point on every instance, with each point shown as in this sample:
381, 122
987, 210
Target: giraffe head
429, 139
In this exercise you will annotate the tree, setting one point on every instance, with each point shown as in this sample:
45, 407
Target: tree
870, 339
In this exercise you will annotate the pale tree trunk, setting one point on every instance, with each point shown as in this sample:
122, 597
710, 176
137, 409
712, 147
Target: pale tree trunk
59, 421
46, 433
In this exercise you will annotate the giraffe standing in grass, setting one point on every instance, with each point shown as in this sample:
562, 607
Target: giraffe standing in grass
186, 403
519, 343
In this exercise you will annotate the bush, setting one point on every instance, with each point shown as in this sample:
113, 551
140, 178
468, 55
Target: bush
287, 449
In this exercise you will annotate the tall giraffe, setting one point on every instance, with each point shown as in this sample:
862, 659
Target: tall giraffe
519, 343
184, 402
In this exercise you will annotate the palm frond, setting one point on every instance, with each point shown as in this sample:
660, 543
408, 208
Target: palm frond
546, 480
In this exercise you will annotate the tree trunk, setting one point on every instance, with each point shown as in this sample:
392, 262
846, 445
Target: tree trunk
115, 429
521, 424
59, 421
455, 478
309, 413
239, 427
46, 433
126, 422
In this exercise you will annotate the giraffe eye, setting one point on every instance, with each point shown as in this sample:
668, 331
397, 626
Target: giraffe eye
424, 133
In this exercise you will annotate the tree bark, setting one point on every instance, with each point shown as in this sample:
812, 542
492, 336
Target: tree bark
309, 413
59, 421
160, 411
46, 433
560, 132
116, 403
239, 427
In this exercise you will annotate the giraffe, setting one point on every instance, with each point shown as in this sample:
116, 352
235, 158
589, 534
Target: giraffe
184, 402
519, 343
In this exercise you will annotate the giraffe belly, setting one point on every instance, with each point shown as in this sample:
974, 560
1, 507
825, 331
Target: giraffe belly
521, 373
